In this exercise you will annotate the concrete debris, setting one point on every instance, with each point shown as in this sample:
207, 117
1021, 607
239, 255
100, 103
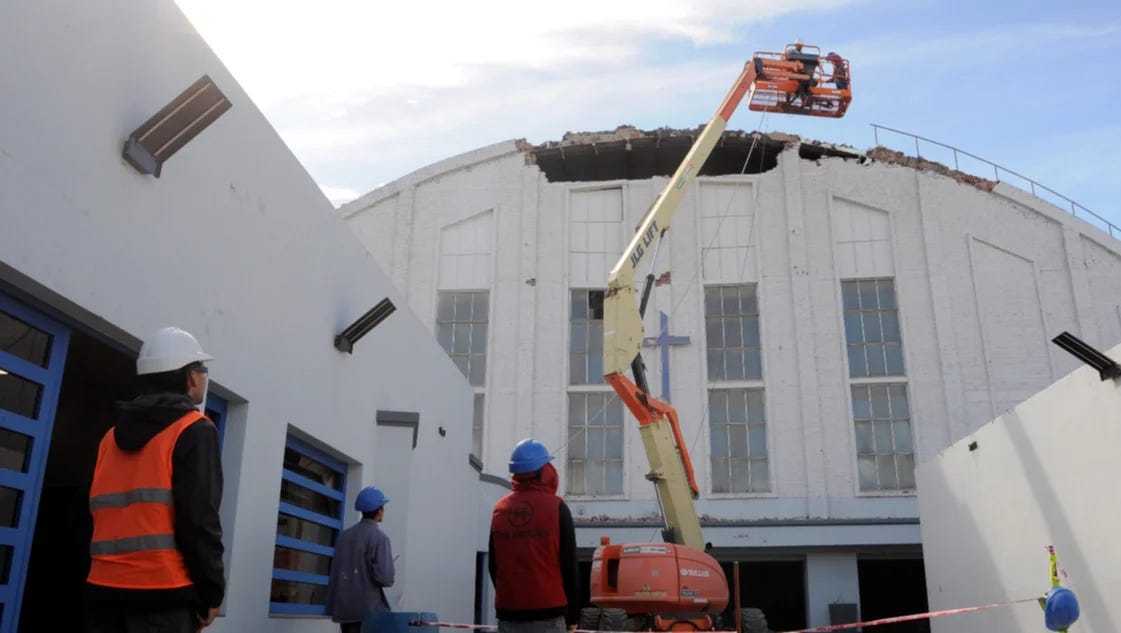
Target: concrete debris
883, 154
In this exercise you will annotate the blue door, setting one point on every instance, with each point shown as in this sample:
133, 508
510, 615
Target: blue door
32, 355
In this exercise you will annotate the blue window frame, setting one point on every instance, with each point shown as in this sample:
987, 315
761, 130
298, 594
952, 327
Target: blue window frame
312, 506
216, 411
32, 356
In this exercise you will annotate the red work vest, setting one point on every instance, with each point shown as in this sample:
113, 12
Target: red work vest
133, 545
525, 526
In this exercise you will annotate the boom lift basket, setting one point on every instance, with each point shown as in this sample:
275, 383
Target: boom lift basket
800, 82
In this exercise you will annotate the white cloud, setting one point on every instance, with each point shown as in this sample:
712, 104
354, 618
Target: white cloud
339, 195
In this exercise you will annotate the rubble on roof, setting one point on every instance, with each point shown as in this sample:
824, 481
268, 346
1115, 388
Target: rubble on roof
883, 154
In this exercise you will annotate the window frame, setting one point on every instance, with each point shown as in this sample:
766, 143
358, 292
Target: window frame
472, 357
335, 523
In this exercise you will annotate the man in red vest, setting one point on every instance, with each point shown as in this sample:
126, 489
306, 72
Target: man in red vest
533, 549
156, 551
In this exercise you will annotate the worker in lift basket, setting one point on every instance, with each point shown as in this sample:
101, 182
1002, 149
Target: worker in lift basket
362, 567
156, 550
533, 549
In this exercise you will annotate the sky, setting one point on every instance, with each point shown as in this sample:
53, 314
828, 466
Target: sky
365, 92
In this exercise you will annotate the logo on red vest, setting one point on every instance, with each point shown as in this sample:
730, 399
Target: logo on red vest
520, 514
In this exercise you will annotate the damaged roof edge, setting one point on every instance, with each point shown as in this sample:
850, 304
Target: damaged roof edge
628, 153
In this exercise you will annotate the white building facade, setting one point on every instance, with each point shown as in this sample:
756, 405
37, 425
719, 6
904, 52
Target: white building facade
822, 323
234, 242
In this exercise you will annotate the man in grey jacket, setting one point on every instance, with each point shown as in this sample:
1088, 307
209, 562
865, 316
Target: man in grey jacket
362, 566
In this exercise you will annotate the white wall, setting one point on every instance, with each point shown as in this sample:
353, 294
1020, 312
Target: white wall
1039, 475
982, 279
236, 244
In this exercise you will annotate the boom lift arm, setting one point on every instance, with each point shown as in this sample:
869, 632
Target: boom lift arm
679, 577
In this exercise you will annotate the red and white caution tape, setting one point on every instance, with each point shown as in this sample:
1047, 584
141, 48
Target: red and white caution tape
816, 629
908, 618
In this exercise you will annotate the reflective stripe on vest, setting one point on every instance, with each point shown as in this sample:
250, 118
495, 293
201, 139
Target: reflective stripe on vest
133, 545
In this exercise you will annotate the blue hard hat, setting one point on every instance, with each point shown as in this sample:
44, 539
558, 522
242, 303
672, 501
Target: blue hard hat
1060, 609
369, 500
528, 456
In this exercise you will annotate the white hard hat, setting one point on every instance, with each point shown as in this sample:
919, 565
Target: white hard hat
169, 349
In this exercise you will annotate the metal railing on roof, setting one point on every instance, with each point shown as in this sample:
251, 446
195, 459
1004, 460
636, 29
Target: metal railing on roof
1033, 186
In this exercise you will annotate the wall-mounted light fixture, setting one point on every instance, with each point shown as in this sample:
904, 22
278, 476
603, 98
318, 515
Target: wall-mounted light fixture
151, 144
346, 339
1107, 368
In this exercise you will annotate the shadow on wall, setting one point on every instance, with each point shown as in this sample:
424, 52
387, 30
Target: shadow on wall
967, 557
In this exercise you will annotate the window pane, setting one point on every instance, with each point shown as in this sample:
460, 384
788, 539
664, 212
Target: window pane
614, 412
304, 530
461, 338
595, 369
866, 466
737, 406
757, 440
733, 361
880, 407
882, 432
595, 473
716, 365
755, 405
576, 484
444, 336
906, 464
733, 333
615, 476
312, 469
578, 341
478, 372
894, 363
20, 395
479, 338
718, 440
309, 499
479, 311
463, 364
858, 366
577, 369
754, 368
23, 340
737, 440
714, 332
579, 305
6, 552
887, 295
15, 450
740, 482
10, 502
868, 295
849, 299
876, 366
891, 326
712, 300
299, 560
885, 465
445, 311
899, 408
291, 592
463, 307
861, 404
730, 301
901, 432
854, 328
759, 479
595, 443
721, 481
864, 438
595, 338
872, 332
718, 407
614, 445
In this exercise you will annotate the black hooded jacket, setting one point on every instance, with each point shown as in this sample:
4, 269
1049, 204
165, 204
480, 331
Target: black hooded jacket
196, 488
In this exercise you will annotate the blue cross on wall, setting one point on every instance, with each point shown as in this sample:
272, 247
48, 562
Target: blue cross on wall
664, 340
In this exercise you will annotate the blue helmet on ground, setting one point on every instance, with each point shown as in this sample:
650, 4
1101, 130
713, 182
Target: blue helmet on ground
369, 500
1060, 610
528, 456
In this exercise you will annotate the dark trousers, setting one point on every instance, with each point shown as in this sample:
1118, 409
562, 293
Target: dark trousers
351, 627
174, 621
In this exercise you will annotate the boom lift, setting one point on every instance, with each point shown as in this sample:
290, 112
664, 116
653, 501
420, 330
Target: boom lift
677, 585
